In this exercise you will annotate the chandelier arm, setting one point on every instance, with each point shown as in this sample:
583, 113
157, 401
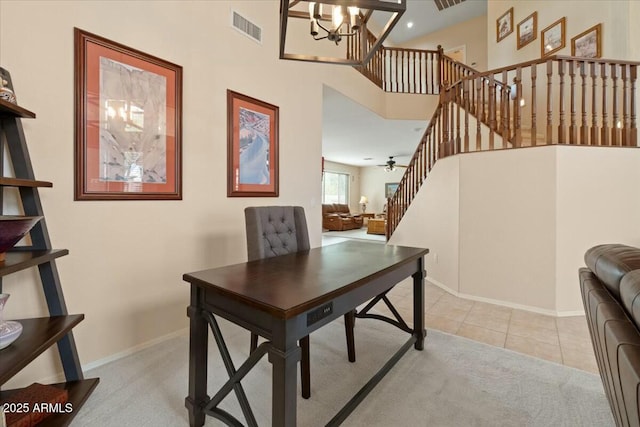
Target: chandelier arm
321, 26
319, 38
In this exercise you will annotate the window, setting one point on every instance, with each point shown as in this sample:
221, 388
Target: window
335, 188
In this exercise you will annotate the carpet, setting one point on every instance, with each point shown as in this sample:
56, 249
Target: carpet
453, 382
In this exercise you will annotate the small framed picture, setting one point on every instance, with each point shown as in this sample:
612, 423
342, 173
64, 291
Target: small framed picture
390, 188
553, 37
588, 44
252, 147
504, 25
527, 30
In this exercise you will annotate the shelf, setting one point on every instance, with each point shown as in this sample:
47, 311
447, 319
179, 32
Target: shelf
79, 391
37, 335
19, 260
10, 109
18, 182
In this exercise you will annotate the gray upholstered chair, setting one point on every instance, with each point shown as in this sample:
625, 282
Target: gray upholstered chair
280, 230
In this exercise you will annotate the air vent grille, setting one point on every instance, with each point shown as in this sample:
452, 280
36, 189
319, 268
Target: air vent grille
443, 4
246, 27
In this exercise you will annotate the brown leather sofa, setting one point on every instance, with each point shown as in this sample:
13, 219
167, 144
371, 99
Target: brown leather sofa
337, 217
611, 295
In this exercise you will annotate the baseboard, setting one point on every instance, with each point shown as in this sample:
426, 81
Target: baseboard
59, 377
508, 304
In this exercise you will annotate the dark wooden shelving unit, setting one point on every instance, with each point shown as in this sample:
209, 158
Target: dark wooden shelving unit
9, 109
41, 333
15, 182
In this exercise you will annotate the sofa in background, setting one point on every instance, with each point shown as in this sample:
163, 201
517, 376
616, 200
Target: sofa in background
610, 288
337, 217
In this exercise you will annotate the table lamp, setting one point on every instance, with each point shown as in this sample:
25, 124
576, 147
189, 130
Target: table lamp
363, 203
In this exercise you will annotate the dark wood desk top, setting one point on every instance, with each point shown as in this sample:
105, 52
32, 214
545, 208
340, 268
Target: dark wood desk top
317, 276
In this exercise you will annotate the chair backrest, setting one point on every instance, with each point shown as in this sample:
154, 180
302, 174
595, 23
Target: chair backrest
275, 230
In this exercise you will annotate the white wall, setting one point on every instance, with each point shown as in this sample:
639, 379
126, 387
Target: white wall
507, 226
512, 226
374, 179
433, 221
598, 199
471, 34
127, 258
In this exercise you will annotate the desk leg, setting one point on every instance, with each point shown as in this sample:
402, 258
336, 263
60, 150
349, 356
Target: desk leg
198, 337
284, 356
418, 305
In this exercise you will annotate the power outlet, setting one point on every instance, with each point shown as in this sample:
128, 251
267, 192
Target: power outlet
435, 258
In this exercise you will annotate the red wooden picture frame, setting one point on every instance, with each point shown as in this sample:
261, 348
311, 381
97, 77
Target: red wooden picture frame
252, 147
128, 128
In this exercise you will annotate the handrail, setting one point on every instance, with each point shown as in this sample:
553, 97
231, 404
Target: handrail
423, 159
554, 57
555, 100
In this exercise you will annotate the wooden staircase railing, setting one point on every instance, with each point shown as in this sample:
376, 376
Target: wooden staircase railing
555, 100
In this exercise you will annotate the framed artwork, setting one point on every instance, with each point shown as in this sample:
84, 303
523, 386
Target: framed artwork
504, 25
552, 38
527, 30
252, 147
128, 123
588, 44
390, 188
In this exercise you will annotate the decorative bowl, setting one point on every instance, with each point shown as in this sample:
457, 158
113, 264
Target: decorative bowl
9, 332
12, 229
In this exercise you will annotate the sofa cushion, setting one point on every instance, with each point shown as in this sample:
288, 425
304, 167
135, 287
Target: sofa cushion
611, 262
630, 295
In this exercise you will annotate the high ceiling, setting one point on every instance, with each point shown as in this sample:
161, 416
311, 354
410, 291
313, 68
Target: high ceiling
352, 133
426, 18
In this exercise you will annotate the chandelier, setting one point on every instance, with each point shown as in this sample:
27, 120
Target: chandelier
335, 20
338, 21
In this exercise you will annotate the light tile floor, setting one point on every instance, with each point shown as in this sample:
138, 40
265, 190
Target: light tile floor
564, 340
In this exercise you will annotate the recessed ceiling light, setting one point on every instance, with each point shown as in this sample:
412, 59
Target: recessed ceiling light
409, 24
368, 158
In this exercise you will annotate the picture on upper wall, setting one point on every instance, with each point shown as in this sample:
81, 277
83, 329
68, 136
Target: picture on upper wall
553, 37
588, 44
390, 189
504, 25
527, 30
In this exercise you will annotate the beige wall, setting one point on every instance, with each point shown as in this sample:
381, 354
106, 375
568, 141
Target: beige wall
507, 226
471, 34
433, 221
127, 258
512, 226
598, 201
374, 179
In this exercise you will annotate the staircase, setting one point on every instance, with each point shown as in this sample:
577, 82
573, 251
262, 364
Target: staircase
552, 100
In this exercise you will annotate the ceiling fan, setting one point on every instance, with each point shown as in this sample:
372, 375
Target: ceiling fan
391, 165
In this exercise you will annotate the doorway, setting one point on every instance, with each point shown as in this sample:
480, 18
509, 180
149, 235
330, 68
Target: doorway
458, 54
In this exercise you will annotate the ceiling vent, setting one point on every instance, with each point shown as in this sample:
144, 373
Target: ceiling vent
246, 27
443, 4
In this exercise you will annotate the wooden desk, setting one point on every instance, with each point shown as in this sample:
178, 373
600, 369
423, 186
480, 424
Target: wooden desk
266, 297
